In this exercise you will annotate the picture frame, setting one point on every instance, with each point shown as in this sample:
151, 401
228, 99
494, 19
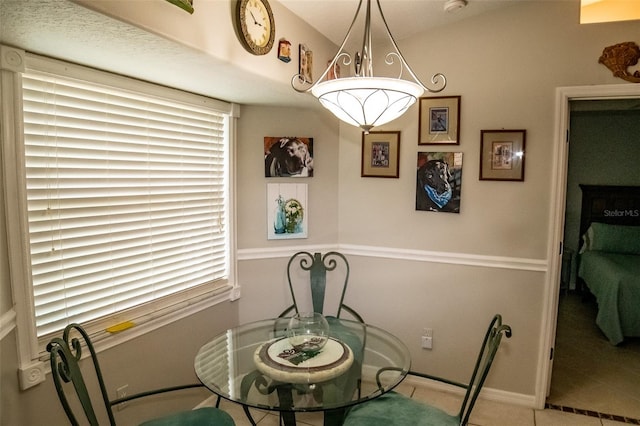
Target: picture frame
288, 156
381, 154
502, 154
305, 63
439, 120
284, 50
287, 211
439, 182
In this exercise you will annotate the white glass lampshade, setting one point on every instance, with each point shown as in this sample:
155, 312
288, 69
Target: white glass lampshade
367, 101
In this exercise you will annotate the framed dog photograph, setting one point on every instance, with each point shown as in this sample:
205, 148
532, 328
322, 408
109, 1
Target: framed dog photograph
288, 156
287, 213
502, 154
380, 154
439, 181
439, 120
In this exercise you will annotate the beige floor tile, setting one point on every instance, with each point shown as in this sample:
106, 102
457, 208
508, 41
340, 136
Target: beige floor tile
446, 401
612, 423
238, 414
315, 418
404, 389
490, 413
559, 418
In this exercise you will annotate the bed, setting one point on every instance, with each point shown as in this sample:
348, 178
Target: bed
609, 257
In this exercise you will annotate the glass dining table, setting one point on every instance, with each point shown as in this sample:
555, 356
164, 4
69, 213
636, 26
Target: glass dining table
255, 366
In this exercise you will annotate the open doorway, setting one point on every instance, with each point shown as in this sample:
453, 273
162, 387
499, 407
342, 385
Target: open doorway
585, 364
588, 372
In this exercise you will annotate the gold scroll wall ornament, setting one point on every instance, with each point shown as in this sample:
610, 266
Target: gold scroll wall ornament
619, 57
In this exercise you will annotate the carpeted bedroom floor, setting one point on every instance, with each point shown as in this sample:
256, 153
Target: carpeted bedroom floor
588, 372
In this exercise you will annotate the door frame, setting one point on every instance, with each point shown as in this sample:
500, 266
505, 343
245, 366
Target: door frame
556, 216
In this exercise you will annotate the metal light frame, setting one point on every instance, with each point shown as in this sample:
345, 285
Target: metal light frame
364, 100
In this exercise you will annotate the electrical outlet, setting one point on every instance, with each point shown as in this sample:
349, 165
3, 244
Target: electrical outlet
427, 342
122, 392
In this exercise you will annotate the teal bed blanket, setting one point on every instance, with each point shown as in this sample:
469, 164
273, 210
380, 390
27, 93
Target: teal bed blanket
614, 279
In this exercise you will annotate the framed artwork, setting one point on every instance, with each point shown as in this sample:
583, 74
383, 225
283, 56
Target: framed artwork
380, 154
305, 63
334, 71
502, 154
439, 121
287, 213
439, 181
284, 50
288, 156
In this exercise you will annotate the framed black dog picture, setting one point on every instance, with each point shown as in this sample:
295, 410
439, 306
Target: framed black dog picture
439, 181
288, 156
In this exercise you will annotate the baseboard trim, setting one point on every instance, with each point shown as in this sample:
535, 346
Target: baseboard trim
487, 393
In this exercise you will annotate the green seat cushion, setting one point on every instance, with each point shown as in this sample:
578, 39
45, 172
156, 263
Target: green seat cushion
207, 416
394, 409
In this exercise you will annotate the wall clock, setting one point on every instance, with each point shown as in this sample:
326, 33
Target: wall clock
257, 28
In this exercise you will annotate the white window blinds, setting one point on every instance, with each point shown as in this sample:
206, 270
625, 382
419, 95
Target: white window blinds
127, 200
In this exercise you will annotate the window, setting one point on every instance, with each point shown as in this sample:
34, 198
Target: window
126, 192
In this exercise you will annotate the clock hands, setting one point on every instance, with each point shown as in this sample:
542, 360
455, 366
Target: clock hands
255, 21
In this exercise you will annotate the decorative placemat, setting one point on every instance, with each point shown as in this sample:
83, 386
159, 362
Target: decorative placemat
278, 360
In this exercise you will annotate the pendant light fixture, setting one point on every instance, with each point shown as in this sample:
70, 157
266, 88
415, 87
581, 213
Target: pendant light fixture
362, 99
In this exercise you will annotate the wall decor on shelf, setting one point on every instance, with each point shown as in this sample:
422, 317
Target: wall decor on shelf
284, 50
334, 72
619, 57
186, 5
502, 154
439, 181
380, 154
287, 213
305, 63
288, 156
439, 120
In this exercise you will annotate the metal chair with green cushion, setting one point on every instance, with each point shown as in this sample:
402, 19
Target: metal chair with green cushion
67, 375
394, 409
307, 278
317, 266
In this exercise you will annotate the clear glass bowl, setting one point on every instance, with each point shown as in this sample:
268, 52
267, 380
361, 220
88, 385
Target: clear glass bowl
308, 332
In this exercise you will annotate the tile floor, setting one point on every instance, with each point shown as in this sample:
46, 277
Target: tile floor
486, 413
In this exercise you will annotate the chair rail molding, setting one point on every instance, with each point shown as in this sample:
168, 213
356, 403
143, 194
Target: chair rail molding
7, 323
502, 262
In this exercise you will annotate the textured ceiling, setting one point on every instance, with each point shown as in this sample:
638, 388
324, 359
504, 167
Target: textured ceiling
65, 30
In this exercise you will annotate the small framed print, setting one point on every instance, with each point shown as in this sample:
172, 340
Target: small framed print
439, 122
380, 154
305, 63
502, 154
284, 50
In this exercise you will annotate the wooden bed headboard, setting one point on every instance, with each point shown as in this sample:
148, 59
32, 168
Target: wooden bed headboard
618, 205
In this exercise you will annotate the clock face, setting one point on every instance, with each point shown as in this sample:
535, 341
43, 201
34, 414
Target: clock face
257, 27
